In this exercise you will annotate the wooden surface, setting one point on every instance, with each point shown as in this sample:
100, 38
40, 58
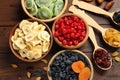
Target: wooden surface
11, 13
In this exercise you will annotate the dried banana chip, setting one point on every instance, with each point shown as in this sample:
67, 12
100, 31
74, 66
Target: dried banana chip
46, 46
19, 42
23, 23
35, 41
31, 40
30, 36
15, 47
44, 35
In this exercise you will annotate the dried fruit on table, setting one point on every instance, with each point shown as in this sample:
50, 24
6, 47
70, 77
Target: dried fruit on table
77, 66
14, 66
45, 61
109, 5
38, 78
85, 74
115, 54
117, 59
28, 74
99, 2
45, 68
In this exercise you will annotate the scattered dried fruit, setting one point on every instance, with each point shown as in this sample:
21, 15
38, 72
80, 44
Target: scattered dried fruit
38, 78
85, 74
45, 68
45, 61
78, 66
99, 2
109, 5
14, 66
117, 59
114, 54
29, 75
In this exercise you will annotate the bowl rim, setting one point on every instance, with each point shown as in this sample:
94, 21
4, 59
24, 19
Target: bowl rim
47, 20
66, 46
17, 54
79, 52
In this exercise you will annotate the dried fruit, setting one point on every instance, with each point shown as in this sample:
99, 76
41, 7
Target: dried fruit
38, 78
45, 68
14, 66
70, 30
102, 58
78, 66
99, 2
85, 74
45, 61
117, 59
115, 54
61, 68
109, 5
28, 75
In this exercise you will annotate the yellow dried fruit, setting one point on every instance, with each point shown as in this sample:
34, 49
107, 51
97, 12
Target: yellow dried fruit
45, 68
38, 78
45, 61
112, 36
14, 66
115, 54
28, 74
117, 59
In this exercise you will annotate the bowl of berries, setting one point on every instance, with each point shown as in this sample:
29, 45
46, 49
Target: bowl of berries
70, 31
70, 65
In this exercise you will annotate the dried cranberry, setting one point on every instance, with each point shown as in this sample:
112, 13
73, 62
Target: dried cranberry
102, 58
72, 29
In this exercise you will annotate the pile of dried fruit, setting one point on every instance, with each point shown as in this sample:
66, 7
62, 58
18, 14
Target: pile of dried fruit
80, 68
70, 30
60, 68
112, 36
44, 9
102, 58
31, 39
116, 56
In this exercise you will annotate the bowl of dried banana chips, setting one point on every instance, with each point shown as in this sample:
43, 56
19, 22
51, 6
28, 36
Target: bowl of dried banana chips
30, 40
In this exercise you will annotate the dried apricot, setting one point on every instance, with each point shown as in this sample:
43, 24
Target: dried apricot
78, 66
85, 74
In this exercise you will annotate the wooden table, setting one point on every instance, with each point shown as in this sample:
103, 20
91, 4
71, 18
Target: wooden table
11, 13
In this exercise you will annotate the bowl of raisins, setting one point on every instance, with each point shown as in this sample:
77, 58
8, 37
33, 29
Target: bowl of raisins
70, 31
70, 65
44, 10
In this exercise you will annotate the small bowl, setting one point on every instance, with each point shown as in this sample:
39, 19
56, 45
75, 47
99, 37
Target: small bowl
44, 20
71, 46
17, 54
82, 56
